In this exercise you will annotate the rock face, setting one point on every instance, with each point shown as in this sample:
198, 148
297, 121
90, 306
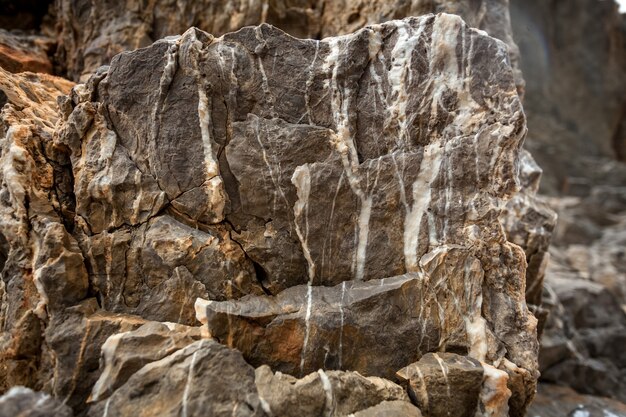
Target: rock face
123, 26
42, 266
335, 206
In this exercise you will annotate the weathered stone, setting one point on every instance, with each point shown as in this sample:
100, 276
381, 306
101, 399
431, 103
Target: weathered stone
300, 178
75, 340
22, 52
42, 266
339, 327
331, 393
204, 378
444, 384
529, 222
125, 353
24, 402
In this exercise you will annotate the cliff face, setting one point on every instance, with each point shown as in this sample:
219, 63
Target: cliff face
260, 225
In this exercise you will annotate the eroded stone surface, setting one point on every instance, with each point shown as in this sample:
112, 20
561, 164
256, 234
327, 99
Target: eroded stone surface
43, 269
125, 353
204, 378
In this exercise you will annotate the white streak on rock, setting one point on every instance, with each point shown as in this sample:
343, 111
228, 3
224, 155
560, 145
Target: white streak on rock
307, 322
301, 178
328, 390
399, 75
189, 381
494, 394
429, 169
341, 314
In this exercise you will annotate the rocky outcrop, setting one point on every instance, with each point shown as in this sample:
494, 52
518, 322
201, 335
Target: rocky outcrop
449, 384
586, 295
304, 191
42, 266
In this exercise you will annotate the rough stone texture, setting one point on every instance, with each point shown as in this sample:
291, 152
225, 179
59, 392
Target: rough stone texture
42, 266
73, 343
253, 178
204, 378
24, 402
123, 25
574, 61
21, 52
446, 384
339, 327
331, 393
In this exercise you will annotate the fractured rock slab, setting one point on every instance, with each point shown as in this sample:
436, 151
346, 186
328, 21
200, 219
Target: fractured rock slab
204, 378
305, 328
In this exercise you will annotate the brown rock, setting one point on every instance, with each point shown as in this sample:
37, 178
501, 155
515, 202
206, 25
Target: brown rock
444, 384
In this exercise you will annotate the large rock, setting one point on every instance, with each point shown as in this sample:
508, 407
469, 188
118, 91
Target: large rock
278, 178
446, 384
